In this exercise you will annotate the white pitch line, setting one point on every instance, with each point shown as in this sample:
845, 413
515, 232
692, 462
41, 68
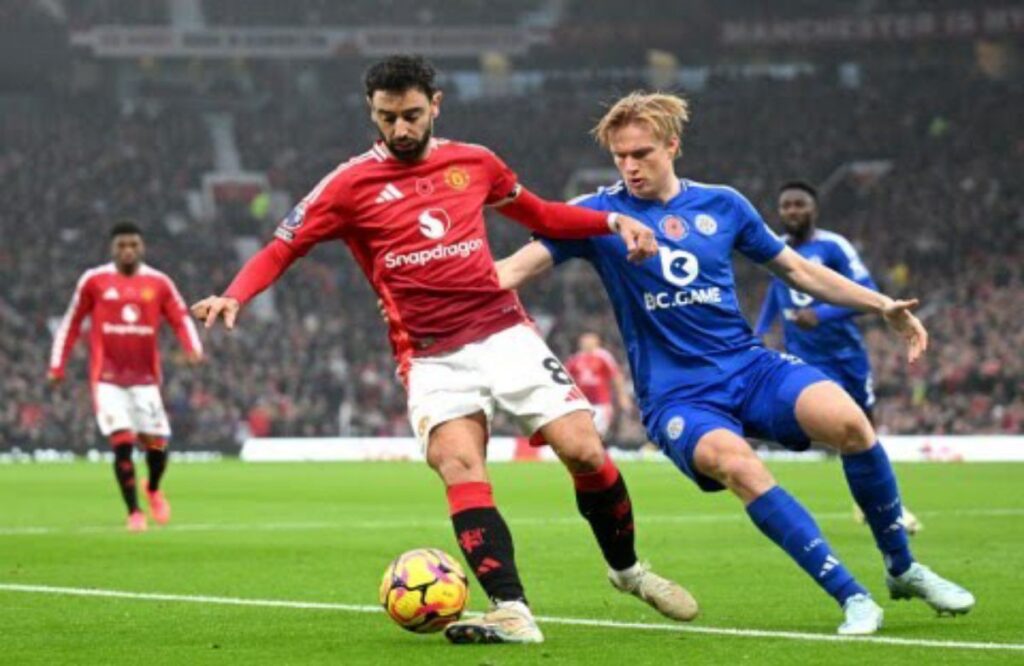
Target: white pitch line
683, 518
580, 622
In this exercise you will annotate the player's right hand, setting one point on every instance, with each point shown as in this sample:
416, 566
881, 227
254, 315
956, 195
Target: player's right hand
806, 318
212, 308
898, 316
639, 239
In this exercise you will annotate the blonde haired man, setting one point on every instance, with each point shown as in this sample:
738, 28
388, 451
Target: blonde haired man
704, 382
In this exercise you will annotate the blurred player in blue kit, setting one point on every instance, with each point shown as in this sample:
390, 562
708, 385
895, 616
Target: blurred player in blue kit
824, 335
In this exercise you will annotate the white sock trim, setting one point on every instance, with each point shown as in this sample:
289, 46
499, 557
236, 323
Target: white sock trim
629, 574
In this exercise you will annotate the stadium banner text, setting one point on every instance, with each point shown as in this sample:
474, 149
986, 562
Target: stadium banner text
876, 27
113, 41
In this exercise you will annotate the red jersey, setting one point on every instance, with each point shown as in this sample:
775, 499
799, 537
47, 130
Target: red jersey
125, 313
417, 231
594, 372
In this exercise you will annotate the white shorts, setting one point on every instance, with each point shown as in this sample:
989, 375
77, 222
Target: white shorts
603, 418
512, 370
136, 408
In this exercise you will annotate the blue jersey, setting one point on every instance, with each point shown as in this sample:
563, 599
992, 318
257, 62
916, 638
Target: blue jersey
836, 339
678, 312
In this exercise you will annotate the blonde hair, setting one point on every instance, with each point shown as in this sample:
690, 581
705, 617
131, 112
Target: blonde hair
664, 113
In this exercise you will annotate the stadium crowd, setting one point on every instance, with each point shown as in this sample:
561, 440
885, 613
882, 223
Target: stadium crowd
943, 221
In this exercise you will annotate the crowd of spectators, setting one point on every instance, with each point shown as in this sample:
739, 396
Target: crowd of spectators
944, 223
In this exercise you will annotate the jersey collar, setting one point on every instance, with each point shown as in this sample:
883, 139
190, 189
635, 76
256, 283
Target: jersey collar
650, 203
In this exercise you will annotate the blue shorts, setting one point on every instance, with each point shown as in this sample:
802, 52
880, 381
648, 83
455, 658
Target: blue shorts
854, 375
758, 400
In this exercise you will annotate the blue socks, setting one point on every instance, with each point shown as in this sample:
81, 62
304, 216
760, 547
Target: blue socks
788, 524
873, 486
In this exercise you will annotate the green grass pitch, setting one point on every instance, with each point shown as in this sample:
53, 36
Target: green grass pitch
324, 533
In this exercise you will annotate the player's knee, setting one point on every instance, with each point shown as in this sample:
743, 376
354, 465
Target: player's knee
577, 443
454, 466
744, 474
855, 433
588, 457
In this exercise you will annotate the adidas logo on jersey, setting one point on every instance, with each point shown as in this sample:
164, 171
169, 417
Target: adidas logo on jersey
389, 193
110, 294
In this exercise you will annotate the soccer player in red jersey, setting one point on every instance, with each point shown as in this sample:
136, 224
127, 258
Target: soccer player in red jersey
410, 210
598, 375
125, 301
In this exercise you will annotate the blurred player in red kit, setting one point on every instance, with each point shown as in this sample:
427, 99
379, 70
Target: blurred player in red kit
410, 210
598, 375
125, 301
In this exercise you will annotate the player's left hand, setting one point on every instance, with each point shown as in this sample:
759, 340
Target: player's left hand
194, 358
640, 242
898, 316
212, 308
806, 318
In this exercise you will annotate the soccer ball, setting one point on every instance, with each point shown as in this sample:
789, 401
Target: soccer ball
424, 590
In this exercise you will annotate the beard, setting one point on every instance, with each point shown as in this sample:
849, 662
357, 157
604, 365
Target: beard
413, 151
797, 228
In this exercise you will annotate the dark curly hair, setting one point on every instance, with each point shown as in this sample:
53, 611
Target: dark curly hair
800, 185
125, 227
399, 73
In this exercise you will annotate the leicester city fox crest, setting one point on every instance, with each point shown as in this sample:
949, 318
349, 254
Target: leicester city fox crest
675, 426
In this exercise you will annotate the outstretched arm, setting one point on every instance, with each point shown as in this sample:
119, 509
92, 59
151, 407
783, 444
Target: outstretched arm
558, 220
825, 284
261, 271
530, 261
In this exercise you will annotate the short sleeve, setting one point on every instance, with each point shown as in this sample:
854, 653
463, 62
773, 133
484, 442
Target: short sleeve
846, 261
502, 179
754, 239
317, 218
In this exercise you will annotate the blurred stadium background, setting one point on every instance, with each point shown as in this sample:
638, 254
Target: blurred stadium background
206, 120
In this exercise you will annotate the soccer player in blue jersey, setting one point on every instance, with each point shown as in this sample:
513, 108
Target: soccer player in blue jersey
703, 381
824, 335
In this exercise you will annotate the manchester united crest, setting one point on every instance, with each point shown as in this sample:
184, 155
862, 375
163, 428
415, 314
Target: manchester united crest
423, 427
148, 294
456, 178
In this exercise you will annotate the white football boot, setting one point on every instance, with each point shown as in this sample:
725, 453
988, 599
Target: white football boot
506, 622
943, 595
663, 595
863, 616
